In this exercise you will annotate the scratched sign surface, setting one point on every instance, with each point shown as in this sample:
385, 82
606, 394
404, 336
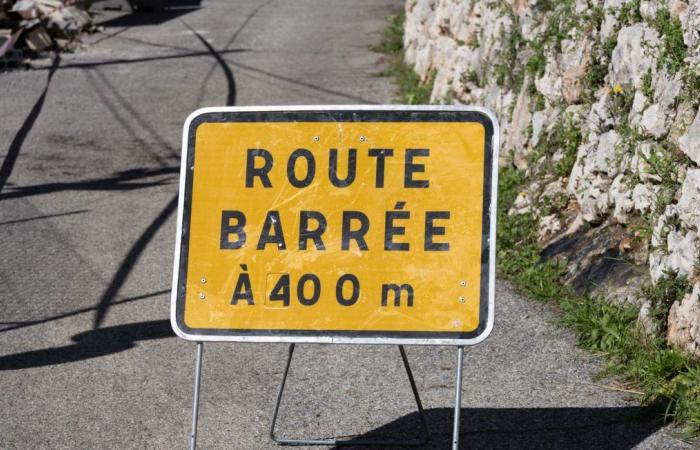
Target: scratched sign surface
336, 225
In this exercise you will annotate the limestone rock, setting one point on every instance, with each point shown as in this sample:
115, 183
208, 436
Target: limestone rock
682, 252
595, 200
690, 22
645, 320
604, 157
550, 83
634, 55
621, 198
642, 198
640, 162
638, 105
666, 90
689, 201
549, 226
599, 118
653, 121
539, 119
663, 226
517, 139
684, 323
649, 8
573, 65
675, 249
522, 203
690, 142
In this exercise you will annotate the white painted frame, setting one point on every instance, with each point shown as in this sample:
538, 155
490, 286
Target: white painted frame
495, 143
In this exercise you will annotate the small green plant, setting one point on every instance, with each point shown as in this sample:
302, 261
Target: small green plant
471, 76
536, 63
621, 102
413, 89
506, 71
565, 137
392, 35
673, 49
691, 81
647, 89
601, 54
630, 12
668, 289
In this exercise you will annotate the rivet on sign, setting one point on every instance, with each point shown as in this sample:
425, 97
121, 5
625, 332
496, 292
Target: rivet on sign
192, 168
362, 139
462, 299
316, 138
202, 296
462, 283
204, 280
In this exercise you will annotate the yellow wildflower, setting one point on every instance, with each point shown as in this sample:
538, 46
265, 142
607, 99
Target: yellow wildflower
617, 89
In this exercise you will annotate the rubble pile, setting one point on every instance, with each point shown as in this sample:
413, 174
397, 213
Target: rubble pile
29, 27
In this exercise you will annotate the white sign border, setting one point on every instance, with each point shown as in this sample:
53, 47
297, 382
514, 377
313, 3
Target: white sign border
303, 339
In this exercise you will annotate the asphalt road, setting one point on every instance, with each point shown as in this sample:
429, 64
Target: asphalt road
89, 147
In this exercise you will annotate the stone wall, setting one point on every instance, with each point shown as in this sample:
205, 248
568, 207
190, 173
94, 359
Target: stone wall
597, 102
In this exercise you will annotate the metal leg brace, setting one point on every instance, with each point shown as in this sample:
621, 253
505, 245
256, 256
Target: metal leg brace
357, 442
458, 399
195, 405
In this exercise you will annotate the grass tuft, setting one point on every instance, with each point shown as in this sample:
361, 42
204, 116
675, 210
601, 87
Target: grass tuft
413, 90
666, 377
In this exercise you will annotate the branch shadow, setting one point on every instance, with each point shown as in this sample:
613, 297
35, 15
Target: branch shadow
16, 144
45, 216
139, 18
90, 344
129, 262
614, 428
15, 325
120, 181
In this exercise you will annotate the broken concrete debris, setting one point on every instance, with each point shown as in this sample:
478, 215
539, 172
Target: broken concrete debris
29, 27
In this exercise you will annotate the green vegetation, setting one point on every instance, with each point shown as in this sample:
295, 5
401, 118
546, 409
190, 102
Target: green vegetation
413, 89
536, 63
647, 90
601, 53
663, 162
666, 378
564, 137
691, 93
471, 76
506, 70
667, 290
673, 49
630, 13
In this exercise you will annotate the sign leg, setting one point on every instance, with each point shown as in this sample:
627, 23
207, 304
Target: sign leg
351, 442
195, 404
421, 412
280, 392
458, 399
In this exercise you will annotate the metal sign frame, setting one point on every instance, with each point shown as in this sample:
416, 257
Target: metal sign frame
351, 113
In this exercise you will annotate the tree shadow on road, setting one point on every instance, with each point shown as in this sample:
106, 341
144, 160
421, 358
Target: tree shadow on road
171, 9
90, 344
127, 180
528, 428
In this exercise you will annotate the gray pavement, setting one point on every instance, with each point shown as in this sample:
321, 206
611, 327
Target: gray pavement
87, 222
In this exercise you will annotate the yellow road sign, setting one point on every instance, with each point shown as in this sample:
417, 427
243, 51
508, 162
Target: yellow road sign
337, 224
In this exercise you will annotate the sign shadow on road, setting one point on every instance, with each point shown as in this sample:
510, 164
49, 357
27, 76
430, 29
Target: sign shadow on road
615, 428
